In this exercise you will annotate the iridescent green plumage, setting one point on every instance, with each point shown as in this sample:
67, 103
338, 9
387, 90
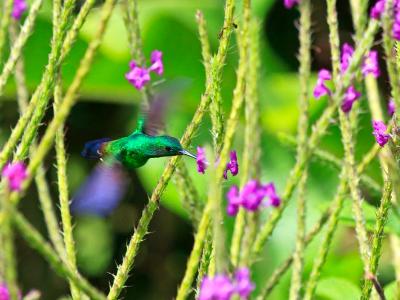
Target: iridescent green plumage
136, 149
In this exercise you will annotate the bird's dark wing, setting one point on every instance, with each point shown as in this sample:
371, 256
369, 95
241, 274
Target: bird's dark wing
102, 191
151, 119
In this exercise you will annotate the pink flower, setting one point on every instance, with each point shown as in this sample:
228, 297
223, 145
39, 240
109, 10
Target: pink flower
371, 65
350, 97
201, 160
19, 8
243, 284
380, 133
156, 62
15, 174
377, 9
320, 88
4, 293
396, 23
137, 76
251, 197
347, 53
391, 107
270, 192
290, 3
232, 165
219, 287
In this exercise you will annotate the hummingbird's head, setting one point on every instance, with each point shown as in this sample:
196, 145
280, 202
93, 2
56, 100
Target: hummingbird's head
168, 146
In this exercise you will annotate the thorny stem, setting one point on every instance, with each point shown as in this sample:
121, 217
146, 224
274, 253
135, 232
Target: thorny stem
318, 130
63, 189
218, 62
381, 218
303, 123
348, 141
40, 179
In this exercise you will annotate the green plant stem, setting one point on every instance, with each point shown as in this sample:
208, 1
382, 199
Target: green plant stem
5, 21
348, 140
191, 267
42, 186
205, 260
7, 238
302, 128
204, 42
218, 63
36, 241
241, 242
381, 218
318, 130
63, 190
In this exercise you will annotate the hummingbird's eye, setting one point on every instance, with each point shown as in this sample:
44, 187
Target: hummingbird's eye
168, 148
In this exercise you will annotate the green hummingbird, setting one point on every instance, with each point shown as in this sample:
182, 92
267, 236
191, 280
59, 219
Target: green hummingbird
135, 150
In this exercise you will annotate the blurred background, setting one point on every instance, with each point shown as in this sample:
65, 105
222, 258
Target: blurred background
108, 108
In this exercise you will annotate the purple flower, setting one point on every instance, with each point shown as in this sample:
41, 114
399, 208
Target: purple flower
156, 62
350, 97
380, 133
201, 160
371, 65
270, 192
219, 287
137, 76
251, 197
4, 293
232, 165
377, 9
391, 107
234, 201
243, 284
347, 53
290, 3
396, 23
19, 8
320, 88
15, 174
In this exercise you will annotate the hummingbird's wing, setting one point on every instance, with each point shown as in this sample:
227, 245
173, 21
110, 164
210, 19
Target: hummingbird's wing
151, 119
102, 191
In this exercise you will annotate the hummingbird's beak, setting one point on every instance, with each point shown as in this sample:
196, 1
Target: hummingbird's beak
185, 152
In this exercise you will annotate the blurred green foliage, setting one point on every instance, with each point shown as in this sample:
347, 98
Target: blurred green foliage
108, 107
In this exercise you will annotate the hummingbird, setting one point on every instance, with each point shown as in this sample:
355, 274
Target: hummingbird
105, 187
135, 150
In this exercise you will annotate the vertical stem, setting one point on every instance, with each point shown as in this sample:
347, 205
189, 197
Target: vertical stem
5, 21
7, 237
304, 74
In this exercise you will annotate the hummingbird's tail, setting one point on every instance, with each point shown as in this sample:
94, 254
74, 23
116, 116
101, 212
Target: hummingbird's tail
92, 149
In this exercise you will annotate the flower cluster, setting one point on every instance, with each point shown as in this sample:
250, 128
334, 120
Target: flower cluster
221, 287
232, 166
380, 133
15, 174
377, 11
139, 76
370, 66
251, 197
19, 8
290, 3
391, 107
